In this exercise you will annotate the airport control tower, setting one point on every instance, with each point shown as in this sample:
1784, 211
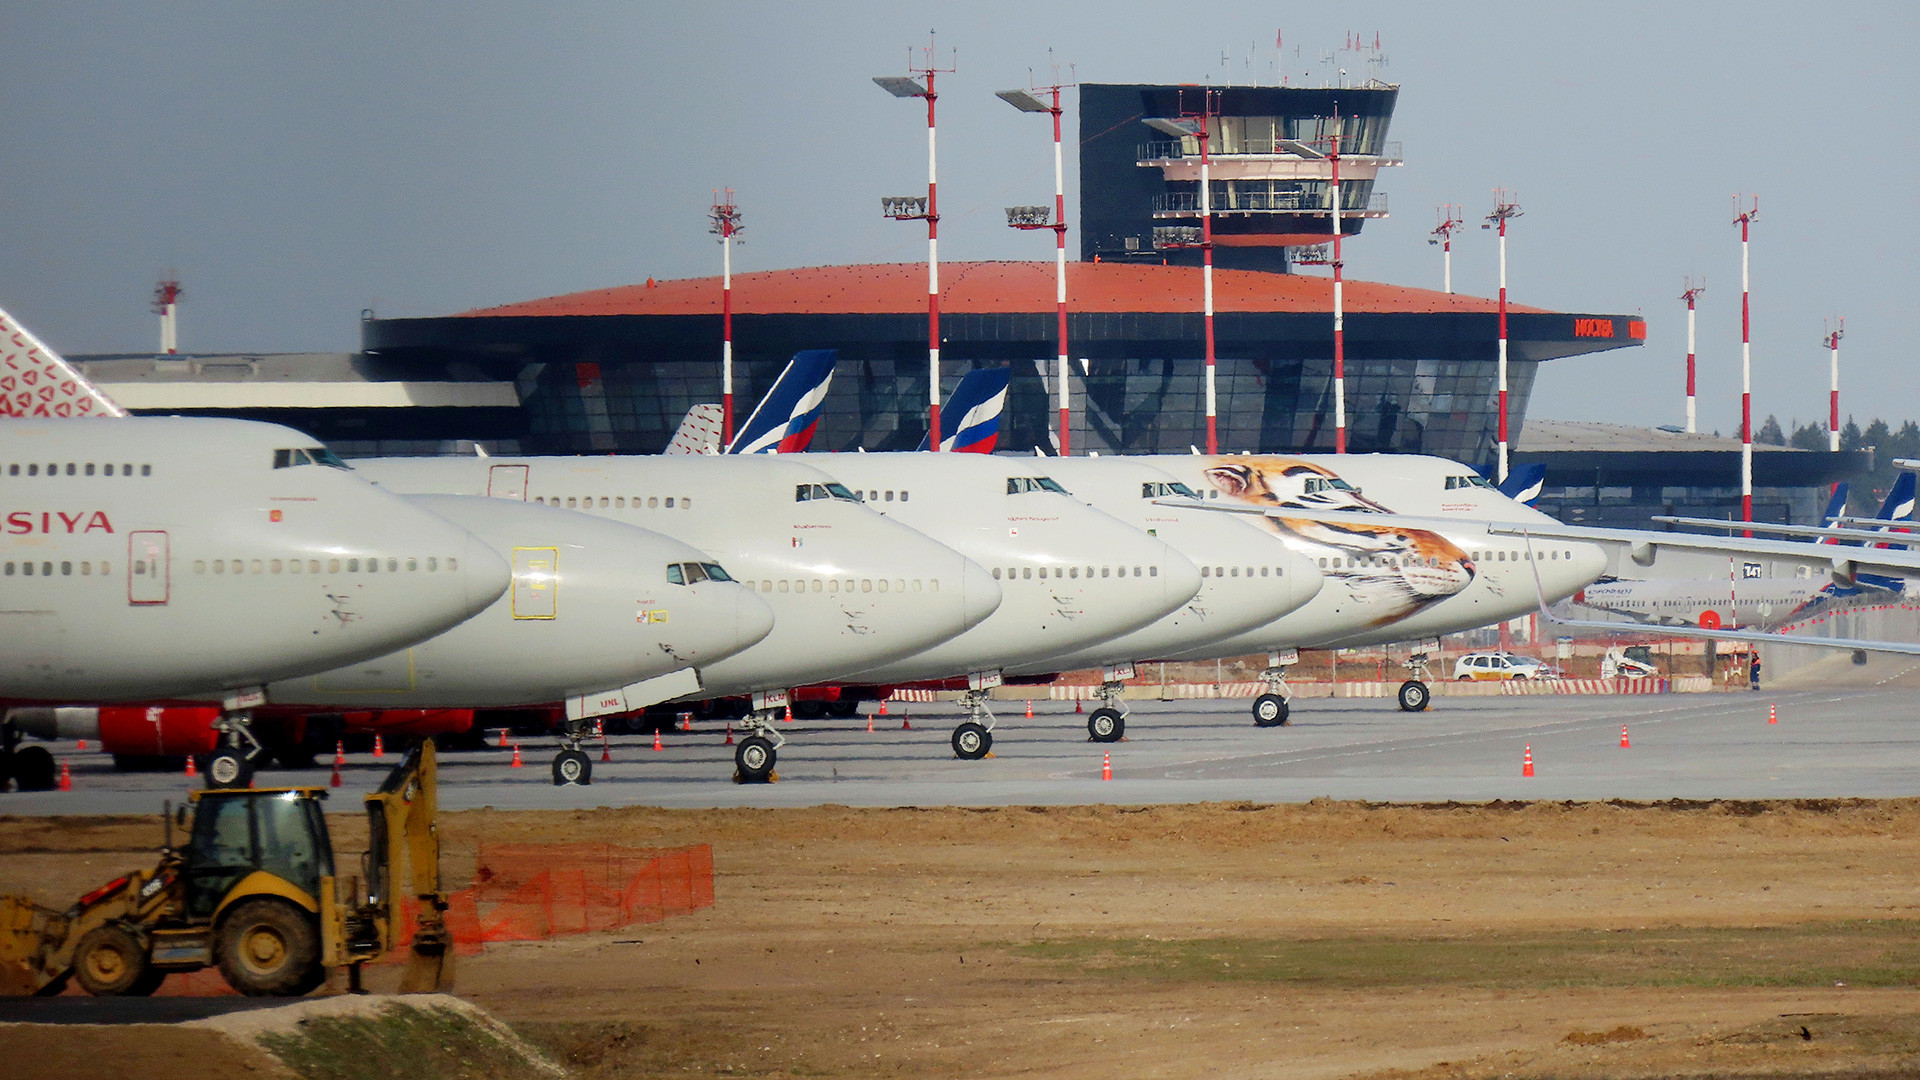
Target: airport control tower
1270, 151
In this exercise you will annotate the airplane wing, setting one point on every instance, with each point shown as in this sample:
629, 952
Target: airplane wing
1816, 531
36, 381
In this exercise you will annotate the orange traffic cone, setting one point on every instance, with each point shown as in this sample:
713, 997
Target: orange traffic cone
788, 718
1773, 715
379, 750
606, 751
83, 744
686, 721
192, 769
729, 741
656, 740
1526, 763
335, 782
1029, 708
66, 778
1078, 707
503, 738
339, 753
883, 708
906, 720
1106, 765
869, 722
517, 763
1624, 744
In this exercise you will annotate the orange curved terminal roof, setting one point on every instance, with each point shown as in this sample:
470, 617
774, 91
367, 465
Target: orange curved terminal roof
996, 288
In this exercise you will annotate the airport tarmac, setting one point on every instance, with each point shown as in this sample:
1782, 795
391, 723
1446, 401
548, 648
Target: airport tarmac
1836, 743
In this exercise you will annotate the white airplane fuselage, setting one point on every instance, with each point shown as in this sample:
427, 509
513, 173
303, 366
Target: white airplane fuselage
599, 615
147, 559
1073, 576
849, 588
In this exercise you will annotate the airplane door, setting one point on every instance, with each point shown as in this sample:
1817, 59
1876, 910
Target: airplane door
507, 482
149, 580
536, 582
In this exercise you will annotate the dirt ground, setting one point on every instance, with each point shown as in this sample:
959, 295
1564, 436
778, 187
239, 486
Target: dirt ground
1226, 940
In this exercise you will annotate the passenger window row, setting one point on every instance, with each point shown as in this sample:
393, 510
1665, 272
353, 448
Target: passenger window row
882, 496
73, 468
835, 585
1234, 571
27, 569
1026, 573
1517, 556
616, 502
239, 567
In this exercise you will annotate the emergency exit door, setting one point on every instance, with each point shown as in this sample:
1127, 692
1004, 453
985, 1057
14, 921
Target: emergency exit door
507, 482
149, 580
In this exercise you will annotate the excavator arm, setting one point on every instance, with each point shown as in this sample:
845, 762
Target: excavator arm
403, 860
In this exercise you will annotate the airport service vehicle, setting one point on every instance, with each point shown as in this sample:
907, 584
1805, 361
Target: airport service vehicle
255, 893
1073, 576
1248, 576
147, 560
849, 588
601, 618
1406, 543
1632, 662
1483, 666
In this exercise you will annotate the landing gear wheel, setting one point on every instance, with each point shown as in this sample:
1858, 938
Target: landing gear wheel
1414, 696
269, 948
111, 962
754, 758
1106, 725
1269, 710
228, 767
843, 710
572, 767
33, 769
971, 741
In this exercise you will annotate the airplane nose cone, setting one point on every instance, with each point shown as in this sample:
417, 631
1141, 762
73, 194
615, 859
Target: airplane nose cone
979, 594
1589, 562
752, 620
1304, 580
1180, 578
483, 572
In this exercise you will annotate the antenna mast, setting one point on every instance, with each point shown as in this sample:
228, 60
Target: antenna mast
1836, 330
1450, 220
725, 219
1744, 219
1035, 217
1691, 292
1504, 210
166, 298
907, 208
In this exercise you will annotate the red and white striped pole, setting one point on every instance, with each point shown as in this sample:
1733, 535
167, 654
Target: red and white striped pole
726, 222
1449, 220
1023, 218
1744, 219
1339, 305
902, 87
166, 300
1504, 210
1833, 401
1690, 294
1206, 264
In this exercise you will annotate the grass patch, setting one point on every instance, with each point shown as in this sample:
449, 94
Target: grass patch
400, 1042
1867, 953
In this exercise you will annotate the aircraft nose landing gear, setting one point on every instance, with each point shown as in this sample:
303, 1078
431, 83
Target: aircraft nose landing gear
973, 738
755, 755
232, 763
1414, 694
1108, 723
1271, 709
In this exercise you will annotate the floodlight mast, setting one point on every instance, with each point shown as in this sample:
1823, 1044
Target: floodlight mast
898, 209
1690, 293
1504, 210
725, 218
1450, 220
1027, 102
1339, 304
1744, 219
1838, 331
1196, 125
166, 299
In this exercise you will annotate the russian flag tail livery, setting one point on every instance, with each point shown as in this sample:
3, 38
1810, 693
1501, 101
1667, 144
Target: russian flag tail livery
36, 381
1899, 505
1524, 483
699, 431
1836, 508
785, 420
975, 409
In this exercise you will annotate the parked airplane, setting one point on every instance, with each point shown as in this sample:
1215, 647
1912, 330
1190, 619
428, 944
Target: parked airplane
850, 589
1073, 576
1405, 547
1248, 576
974, 408
153, 559
786, 418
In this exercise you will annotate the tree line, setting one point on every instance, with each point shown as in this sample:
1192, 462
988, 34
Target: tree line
1887, 442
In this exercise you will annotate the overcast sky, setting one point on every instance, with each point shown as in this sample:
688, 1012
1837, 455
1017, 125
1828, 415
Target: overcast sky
295, 163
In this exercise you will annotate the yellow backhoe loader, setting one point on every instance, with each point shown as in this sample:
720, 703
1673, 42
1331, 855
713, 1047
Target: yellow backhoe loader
254, 892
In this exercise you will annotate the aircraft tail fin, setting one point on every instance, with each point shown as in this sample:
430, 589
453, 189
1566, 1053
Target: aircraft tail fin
785, 420
1524, 483
1836, 509
36, 381
699, 431
1899, 505
975, 408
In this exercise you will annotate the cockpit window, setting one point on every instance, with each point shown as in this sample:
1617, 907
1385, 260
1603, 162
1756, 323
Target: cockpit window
1018, 484
807, 492
1474, 481
695, 572
1316, 484
675, 575
307, 455
715, 572
1157, 490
